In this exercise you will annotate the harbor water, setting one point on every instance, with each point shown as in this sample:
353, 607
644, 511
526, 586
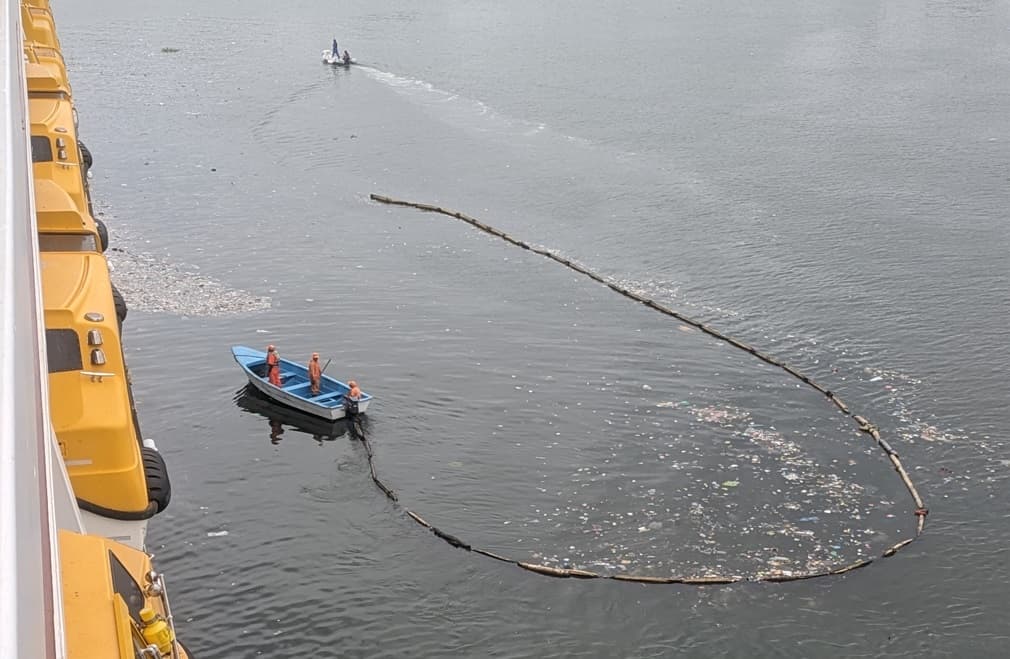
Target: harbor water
826, 181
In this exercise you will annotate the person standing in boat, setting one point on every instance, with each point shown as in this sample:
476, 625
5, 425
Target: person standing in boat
315, 374
334, 50
273, 366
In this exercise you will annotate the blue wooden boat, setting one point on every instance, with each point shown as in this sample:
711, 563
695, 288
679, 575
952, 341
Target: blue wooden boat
331, 402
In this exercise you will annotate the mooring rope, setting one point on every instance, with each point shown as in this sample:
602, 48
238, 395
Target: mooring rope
864, 425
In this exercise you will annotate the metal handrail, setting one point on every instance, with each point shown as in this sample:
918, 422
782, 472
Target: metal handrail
156, 586
97, 375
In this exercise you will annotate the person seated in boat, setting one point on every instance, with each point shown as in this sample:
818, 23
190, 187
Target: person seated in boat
273, 366
347, 57
315, 374
355, 392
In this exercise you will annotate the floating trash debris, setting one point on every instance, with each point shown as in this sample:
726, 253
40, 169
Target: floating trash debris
721, 416
727, 535
156, 284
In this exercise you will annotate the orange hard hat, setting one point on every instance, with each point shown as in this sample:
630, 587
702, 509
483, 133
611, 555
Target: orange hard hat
315, 355
270, 347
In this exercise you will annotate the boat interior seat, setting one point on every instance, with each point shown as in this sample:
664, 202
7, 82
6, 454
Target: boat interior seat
325, 396
294, 386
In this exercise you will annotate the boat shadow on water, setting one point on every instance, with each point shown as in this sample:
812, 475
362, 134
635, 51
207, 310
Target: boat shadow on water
281, 418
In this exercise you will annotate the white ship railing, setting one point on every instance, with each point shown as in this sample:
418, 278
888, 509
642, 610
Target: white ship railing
35, 495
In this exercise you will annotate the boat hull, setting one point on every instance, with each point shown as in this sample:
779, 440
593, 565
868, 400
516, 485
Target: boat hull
328, 58
132, 533
300, 404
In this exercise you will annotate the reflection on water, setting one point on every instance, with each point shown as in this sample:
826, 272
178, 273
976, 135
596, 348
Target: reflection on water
281, 418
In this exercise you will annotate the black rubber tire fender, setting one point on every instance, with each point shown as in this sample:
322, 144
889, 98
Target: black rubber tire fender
87, 160
159, 488
120, 303
103, 234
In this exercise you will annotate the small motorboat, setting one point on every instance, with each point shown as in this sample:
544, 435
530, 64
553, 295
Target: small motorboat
331, 402
328, 58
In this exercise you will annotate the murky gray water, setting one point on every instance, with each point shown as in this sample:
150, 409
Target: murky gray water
826, 182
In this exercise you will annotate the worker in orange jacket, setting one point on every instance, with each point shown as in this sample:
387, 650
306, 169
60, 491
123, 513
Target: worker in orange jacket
273, 366
315, 374
354, 393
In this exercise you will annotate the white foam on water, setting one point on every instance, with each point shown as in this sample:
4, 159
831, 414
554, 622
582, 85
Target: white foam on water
461, 110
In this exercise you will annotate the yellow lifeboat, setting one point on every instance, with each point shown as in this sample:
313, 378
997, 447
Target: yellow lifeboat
57, 153
113, 599
43, 80
119, 480
61, 221
47, 56
110, 602
114, 476
38, 24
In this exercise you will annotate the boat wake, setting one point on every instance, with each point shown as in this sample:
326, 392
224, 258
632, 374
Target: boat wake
460, 110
